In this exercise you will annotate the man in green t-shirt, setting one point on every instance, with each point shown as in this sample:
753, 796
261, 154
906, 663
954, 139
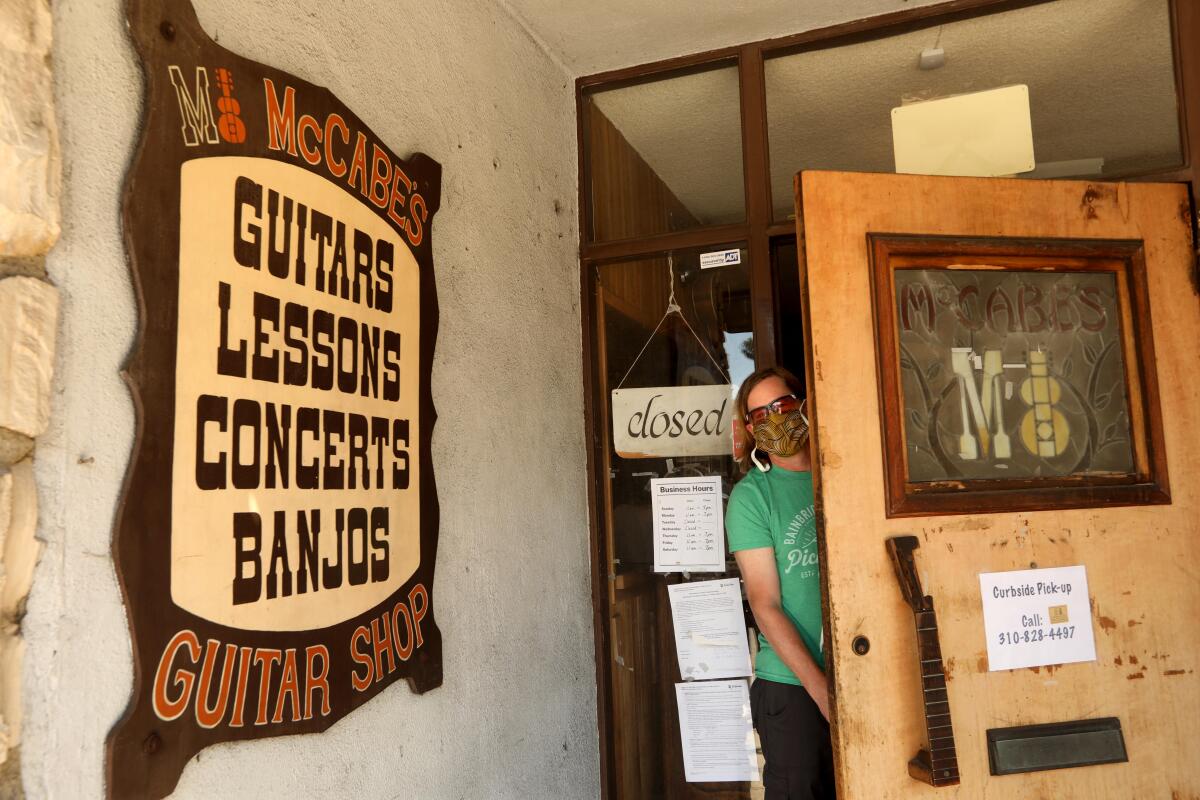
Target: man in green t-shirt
772, 534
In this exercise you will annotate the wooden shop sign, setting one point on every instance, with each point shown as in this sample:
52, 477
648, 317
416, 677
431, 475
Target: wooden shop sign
277, 534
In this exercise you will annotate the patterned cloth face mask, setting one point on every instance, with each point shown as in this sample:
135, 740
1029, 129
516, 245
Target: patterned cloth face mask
780, 427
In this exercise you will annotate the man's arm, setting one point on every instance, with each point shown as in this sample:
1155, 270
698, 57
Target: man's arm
762, 588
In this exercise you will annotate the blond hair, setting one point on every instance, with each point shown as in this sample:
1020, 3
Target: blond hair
743, 442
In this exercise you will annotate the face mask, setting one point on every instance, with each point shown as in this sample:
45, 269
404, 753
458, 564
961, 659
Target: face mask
782, 434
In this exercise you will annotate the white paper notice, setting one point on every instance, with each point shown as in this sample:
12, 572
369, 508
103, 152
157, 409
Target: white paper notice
710, 630
689, 532
1037, 617
718, 739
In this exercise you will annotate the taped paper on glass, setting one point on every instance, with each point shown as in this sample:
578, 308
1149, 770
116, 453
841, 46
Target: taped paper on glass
715, 726
689, 529
710, 629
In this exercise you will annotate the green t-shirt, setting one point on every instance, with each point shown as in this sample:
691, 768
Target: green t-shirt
775, 509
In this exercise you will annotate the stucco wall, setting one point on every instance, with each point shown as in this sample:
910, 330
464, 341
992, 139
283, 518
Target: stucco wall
516, 716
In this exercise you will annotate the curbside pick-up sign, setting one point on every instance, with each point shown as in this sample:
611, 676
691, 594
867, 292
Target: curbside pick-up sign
667, 421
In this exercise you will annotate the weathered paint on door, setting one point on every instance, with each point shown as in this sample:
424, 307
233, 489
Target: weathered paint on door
1143, 562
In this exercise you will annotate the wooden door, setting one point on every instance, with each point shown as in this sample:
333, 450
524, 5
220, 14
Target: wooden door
1110, 482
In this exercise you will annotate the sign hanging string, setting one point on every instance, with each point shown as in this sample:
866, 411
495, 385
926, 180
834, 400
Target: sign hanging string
672, 308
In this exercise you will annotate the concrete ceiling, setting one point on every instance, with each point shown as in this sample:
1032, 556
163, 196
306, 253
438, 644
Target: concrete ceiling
1099, 71
589, 37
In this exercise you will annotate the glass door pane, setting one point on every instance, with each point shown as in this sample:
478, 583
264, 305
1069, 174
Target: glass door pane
1101, 78
664, 155
639, 345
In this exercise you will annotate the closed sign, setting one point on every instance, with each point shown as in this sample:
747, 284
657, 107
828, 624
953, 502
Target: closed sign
672, 421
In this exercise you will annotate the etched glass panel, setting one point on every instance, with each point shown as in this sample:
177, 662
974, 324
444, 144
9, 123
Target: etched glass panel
1011, 374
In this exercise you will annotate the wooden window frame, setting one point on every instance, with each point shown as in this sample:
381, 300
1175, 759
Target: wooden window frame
759, 228
1146, 483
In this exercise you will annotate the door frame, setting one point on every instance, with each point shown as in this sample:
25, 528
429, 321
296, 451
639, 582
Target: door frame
759, 230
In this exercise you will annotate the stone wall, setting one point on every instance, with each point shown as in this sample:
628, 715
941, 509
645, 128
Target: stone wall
29, 227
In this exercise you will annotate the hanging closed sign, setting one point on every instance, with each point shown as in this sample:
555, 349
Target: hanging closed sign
672, 421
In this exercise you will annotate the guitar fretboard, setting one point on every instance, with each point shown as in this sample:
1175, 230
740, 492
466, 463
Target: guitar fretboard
942, 756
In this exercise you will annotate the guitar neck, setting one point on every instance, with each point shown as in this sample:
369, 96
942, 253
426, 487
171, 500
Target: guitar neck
942, 762
939, 764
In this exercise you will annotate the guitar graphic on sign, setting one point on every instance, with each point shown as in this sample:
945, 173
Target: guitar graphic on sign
1044, 430
229, 123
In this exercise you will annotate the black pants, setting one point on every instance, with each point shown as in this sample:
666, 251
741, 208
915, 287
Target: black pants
795, 742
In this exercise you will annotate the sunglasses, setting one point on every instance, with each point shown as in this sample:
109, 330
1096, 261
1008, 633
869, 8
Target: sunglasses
780, 405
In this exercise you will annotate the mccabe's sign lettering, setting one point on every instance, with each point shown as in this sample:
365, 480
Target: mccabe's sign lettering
672, 421
277, 536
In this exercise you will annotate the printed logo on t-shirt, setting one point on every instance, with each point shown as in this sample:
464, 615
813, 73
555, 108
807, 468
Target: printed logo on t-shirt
801, 537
